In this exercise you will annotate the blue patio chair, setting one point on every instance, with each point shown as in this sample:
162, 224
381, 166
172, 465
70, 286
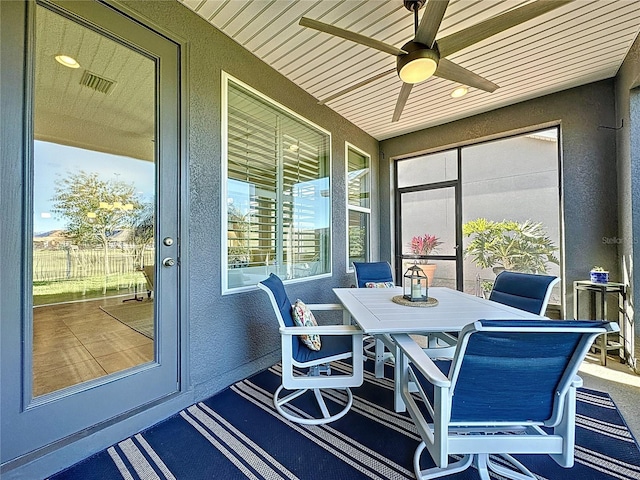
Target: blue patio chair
304, 369
372, 272
525, 291
376, 273
510, 389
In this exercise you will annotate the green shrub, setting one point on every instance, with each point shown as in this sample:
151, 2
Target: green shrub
521, 246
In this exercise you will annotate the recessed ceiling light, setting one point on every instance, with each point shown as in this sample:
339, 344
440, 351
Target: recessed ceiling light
67, 61
459, 92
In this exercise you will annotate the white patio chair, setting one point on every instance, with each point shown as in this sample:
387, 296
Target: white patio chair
339, 342
508, 380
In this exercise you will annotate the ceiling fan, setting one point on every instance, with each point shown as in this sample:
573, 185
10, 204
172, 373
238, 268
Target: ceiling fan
424, 56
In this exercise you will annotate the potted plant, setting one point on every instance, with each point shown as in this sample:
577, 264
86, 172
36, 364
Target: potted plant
599, 275
423, 245
509, 245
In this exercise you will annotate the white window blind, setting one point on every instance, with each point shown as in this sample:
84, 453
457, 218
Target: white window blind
278, 195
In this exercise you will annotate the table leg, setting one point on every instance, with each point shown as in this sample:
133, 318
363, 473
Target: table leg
402, 364
380, 358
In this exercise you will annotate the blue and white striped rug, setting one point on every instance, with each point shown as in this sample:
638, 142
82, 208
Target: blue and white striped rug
238, 434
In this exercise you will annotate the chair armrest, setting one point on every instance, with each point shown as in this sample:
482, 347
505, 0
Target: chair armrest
325, 306
421, 360
322, 330
577, 381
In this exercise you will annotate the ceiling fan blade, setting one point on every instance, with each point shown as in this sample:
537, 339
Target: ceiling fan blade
474, 34
356, 86
348, 35
430, 21
454, 72
402, 101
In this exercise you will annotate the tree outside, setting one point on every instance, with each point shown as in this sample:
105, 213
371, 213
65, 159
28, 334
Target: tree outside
96, 210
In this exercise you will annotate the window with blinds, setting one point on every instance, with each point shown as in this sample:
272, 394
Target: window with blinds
277, 192
358, 205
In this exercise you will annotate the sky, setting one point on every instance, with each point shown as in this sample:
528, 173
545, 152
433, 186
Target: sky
53, 161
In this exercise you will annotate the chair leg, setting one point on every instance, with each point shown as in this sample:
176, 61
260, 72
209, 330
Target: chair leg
436, 472
481, 462
522, 474
298, 416
320, 400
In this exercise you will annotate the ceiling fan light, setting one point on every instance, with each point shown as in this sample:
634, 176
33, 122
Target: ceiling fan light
418, 65
459, 92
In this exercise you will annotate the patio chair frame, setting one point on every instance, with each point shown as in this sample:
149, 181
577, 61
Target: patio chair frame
476, 440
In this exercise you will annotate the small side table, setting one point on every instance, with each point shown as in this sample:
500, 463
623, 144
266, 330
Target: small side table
602, 343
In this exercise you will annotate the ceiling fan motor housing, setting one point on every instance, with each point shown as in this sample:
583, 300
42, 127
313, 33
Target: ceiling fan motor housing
419, 63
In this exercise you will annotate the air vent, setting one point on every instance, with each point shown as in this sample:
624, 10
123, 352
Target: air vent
97, 83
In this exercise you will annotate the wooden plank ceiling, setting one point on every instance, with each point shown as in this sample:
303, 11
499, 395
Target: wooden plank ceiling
578, 43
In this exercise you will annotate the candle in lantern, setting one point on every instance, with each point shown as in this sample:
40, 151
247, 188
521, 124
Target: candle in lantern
416, 292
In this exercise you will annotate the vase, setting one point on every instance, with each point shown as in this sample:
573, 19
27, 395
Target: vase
429, 270
599, 277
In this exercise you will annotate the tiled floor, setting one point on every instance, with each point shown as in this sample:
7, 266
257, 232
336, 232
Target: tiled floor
76, 342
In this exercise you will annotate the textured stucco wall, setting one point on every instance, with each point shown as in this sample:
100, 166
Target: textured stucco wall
628, 156
232, 336
588, 168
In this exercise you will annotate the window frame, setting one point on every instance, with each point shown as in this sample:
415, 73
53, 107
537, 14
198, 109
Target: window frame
224, 164
459, 148
349, 146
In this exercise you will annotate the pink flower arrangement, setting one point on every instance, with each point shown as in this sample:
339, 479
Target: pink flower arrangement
424, 245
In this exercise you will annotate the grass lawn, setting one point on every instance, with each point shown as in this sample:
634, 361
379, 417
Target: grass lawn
87, 288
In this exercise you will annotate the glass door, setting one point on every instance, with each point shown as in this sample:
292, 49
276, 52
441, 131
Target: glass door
100, 325
428, 218
94, 178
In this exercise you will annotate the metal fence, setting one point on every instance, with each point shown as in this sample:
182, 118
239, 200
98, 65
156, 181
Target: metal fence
68, 264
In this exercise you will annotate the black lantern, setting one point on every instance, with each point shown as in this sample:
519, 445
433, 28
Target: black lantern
415, 285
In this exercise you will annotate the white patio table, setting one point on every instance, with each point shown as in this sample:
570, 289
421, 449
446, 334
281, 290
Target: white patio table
376, 314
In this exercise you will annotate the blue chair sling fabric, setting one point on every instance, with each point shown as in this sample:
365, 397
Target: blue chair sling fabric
276, 286
372, 272
524, 377
506, 377
525, 371
525, 291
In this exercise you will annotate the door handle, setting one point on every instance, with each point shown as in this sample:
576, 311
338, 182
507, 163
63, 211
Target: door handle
168, 262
